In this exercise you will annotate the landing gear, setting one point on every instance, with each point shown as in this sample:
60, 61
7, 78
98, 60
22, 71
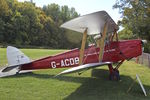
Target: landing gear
114, 75
114, 72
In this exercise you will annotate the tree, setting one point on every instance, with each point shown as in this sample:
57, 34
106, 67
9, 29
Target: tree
4, 8
22, 23
4, 16
60, 14
136, 17
52, 10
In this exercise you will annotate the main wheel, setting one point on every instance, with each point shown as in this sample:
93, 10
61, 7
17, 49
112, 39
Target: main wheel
114, 75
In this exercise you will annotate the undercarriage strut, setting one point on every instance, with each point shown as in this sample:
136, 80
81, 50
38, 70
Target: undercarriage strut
114, 72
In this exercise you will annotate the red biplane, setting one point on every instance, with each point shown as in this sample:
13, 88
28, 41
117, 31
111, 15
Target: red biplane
106, 49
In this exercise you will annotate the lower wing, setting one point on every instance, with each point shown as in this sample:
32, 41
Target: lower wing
83, 67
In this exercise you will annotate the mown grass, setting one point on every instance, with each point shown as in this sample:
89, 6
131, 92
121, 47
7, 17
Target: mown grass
91, 85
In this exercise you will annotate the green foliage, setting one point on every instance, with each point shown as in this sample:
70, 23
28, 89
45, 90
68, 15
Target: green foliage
136, 17
61, 14
4, 8
53, 11
22, 23
147, 47
126, 34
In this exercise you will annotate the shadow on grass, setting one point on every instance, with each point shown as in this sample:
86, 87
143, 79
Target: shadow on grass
97, 87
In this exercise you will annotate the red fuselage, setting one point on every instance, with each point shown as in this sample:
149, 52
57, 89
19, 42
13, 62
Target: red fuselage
114, 51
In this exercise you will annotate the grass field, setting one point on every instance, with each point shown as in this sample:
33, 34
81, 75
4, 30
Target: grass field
91, 85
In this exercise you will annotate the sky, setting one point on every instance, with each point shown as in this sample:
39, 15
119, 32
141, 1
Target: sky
84, 6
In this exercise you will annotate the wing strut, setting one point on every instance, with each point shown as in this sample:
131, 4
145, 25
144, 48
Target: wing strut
82, 47
114, 34
102, 42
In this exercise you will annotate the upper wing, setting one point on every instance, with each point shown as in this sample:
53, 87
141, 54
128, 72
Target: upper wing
83, 67
94, 22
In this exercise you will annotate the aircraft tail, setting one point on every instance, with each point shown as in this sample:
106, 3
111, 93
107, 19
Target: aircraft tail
16, 57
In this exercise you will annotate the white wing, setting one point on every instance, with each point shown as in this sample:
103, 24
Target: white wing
83, 67
94, 22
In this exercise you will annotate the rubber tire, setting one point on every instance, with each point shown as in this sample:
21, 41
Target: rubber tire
114, 76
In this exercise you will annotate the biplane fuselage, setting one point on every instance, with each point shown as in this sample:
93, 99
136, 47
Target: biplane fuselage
114, 52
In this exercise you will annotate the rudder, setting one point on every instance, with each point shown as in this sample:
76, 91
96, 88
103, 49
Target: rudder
16, 57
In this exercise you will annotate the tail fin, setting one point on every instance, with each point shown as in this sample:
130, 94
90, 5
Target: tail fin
16, 57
